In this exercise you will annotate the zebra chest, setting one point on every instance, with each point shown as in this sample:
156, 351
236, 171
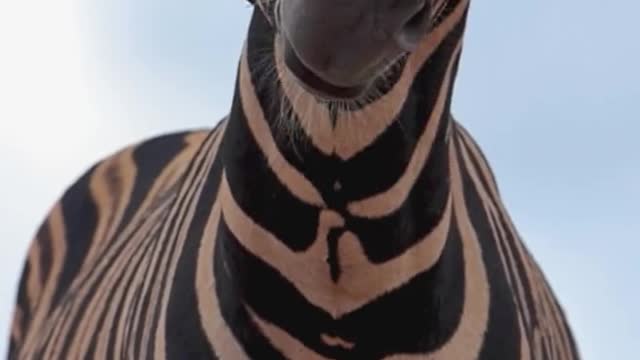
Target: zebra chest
332, 298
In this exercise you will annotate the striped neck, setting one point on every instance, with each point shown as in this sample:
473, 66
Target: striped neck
357, 149
348, 203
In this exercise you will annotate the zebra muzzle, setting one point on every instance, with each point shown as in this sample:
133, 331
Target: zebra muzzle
338, 48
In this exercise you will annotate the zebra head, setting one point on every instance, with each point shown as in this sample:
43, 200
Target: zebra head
345, 49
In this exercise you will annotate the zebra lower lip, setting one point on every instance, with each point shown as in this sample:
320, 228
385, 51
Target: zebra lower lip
314, 83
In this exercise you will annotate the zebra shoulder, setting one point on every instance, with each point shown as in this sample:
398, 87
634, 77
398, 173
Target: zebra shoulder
89, 213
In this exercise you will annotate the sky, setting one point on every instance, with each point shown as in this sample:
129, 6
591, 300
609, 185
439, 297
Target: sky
549, 89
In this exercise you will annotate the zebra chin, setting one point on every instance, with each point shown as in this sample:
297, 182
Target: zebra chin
340, 52
316, 84
378, 82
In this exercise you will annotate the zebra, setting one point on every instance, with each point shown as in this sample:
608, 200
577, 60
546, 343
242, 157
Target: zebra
339, 211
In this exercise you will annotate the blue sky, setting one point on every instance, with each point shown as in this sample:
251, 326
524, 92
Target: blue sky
549, 89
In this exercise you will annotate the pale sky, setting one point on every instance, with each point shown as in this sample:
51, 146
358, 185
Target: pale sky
549, 89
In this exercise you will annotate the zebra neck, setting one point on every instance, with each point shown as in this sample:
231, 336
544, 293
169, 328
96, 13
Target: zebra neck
346, 205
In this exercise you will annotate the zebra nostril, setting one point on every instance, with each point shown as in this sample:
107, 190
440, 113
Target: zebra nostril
413, 29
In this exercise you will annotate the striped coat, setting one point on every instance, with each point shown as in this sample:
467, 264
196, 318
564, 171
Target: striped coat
295, 229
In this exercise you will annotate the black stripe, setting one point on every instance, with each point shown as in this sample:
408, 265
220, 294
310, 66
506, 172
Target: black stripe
502, 339
22, 301
64, 309
46, 253
464, 145
333, 260
515, 270
76, 204
257, 190
12, 353
519, 268
233, 290
131, 312
184, 335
